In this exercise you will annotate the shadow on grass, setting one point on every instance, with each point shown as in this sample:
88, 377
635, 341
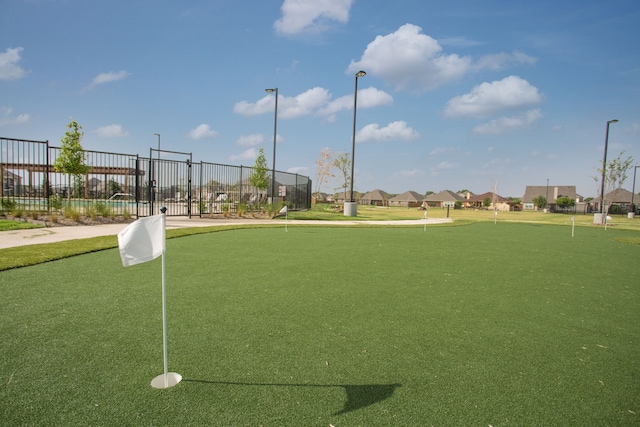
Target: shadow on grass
358, 396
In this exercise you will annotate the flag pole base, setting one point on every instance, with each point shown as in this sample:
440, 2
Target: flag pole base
166, 380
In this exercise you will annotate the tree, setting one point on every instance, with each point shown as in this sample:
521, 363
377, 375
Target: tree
429, 192
565, 202
615, 174
259, 177
343, 164
324, 164
71, 157
486, 202
540, 202
114, 187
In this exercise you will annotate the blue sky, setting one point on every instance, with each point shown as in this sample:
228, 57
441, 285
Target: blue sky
458, 94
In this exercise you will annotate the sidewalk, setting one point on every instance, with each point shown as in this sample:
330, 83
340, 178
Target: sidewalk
13, 238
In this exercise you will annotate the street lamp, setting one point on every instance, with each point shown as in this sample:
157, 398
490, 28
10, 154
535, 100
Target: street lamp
154, 187
158, 135
604, 168
275, 129
353, 208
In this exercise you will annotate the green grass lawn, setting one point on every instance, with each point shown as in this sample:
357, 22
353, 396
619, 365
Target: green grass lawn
6, 225
507, 324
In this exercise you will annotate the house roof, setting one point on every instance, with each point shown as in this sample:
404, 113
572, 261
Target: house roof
533, 191
444, 196
411, 196
622, 196
376, 195
481, 197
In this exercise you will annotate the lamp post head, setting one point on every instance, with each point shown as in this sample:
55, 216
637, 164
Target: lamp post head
271, 90
361, 74
613, 121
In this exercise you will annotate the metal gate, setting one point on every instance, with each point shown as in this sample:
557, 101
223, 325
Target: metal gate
169, 183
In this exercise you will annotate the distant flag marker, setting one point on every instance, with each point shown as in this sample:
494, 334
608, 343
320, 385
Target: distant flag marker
284, 211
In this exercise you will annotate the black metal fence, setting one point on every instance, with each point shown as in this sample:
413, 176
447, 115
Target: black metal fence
124, 184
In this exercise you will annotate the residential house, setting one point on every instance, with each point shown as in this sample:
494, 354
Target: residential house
620, 197
375, 198
410, 199
551, 193
443, 199
11, 184
477, 202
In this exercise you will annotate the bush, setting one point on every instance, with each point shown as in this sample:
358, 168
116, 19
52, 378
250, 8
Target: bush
242, 209
55, 202
103, 210
8, 204
126, 214
72, 214
91, 211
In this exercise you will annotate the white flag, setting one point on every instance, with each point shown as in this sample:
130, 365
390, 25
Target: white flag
141, 241
283, 210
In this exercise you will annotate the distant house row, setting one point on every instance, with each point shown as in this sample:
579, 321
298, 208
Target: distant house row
447, 198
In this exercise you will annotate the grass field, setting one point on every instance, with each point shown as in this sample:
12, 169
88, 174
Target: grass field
507, 324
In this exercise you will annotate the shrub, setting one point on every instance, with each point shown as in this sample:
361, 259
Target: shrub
103, 210
72, 214
8, 204
55, 202
126, 214
225, 209
202, 206
91, 211
242, 209
17, 213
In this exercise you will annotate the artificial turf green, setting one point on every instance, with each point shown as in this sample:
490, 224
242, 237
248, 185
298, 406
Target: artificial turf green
508, 324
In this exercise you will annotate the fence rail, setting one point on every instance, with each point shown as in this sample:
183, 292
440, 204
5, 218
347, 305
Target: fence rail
125, 184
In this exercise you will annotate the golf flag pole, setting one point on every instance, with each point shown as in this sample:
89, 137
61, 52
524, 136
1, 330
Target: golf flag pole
167, 379
573, 225
142, 241
425, 220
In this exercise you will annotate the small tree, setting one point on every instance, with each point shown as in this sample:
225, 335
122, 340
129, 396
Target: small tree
615, 174
486, 202
540, 202
259, 177
565, 202
71, 157
343, 164
324, 164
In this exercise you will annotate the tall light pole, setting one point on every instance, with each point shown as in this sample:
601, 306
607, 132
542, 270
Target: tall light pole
158, 135
155, 178
353, 140
604, 168
275, 130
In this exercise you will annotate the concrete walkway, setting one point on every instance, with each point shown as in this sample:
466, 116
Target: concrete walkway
13, 238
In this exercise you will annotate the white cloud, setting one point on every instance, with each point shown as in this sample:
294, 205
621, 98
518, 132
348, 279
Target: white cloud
409, 173
501, 60
367, 98
299, 170
440, 150
6, 117
413, 61
509, 124
250, 154
490, 98
111, 131
109, 77
315, 101
300, 105
250, 140
394, 131
9, 68
410, 60
312, 16
201, 132
303, 104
